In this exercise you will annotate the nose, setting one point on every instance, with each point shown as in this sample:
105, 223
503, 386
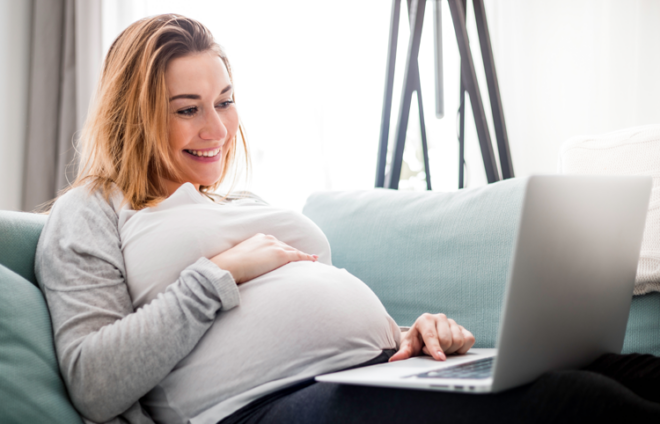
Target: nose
214, 128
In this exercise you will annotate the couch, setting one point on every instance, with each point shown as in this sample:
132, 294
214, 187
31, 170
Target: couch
418, 251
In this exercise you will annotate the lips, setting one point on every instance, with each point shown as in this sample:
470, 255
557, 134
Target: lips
206, 155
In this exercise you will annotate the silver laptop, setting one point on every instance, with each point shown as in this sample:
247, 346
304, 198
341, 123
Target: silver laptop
568, 292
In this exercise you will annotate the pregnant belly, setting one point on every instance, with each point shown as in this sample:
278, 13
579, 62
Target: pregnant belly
302, 319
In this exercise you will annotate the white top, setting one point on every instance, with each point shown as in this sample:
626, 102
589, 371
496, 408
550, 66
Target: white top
298, 321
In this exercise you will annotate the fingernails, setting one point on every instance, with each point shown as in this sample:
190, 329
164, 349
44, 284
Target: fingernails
315, 257
442, 355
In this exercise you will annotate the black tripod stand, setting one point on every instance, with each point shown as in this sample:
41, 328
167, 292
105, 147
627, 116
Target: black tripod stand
411, 83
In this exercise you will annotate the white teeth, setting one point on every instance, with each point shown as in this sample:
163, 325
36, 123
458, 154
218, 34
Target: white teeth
207, 153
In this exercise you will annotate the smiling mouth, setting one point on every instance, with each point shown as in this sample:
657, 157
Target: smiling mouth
204, 153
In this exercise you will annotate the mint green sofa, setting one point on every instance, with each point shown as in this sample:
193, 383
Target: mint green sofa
418, 251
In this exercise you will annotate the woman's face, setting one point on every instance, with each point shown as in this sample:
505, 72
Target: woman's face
202, 118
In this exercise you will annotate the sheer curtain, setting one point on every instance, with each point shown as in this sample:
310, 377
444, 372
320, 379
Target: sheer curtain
15, 17
66, 55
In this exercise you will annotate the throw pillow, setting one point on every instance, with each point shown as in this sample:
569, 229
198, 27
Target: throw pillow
633, 151
31, 388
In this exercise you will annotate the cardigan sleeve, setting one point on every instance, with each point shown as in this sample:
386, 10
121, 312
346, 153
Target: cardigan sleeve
109, 354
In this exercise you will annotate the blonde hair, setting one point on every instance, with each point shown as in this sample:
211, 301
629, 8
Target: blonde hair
125, 140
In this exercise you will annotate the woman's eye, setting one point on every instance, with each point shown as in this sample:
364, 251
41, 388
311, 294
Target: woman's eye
225, 104
187, 112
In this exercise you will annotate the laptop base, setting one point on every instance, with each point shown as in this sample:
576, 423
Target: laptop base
404, 374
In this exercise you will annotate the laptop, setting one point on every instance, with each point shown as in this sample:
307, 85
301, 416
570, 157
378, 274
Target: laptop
567, 297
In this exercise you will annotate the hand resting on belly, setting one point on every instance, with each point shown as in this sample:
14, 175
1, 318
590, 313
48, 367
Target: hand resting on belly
258, 255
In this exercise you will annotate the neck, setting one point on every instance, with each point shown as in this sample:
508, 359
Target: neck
172, 186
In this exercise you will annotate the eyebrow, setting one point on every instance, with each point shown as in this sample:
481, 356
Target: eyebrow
197, 96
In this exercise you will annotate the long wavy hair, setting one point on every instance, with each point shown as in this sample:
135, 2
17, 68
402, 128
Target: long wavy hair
125, 137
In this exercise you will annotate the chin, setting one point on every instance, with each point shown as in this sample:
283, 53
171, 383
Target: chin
205, 179
208, 181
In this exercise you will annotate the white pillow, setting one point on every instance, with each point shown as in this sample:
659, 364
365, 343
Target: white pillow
633, 151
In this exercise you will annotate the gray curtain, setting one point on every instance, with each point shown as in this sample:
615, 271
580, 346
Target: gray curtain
49, 157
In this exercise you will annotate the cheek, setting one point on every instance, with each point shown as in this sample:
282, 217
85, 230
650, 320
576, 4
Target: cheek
177, 133
232, 122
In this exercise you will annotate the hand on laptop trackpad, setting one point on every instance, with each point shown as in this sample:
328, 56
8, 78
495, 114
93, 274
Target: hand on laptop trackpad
425, 361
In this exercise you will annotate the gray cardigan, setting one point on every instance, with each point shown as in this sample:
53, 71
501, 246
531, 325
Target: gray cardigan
109, 354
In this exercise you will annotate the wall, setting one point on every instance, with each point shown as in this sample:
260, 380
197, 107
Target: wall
570, 68
14, 69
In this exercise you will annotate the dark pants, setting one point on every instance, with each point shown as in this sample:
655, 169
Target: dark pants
623, 388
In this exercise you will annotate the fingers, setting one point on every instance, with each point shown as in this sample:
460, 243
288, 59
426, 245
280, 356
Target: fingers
435, 334
438, 336
457, 338
469, 341
302, 256
404, 352
287, 252
410, 345
258, 255
294, 255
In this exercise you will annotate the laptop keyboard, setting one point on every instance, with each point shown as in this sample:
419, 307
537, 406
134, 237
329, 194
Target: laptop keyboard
478, 369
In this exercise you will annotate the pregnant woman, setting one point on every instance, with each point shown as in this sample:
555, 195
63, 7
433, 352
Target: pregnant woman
171, 304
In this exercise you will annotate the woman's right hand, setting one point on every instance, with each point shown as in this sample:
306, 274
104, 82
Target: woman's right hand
258, 255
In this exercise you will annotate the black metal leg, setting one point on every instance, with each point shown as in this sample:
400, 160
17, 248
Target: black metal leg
461, 139
422, 127
417, 19
420, 108
470, 79
493, 90
387, 101
461, 126
439, 68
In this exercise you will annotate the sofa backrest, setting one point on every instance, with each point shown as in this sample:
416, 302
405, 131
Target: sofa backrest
19, 234
443, 252
427, 251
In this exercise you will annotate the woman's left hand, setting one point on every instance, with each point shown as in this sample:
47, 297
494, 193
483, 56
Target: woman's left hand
436, 336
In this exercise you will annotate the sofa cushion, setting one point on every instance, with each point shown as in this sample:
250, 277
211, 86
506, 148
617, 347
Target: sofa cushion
443, 252
643, 331
18, 244
31, 387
